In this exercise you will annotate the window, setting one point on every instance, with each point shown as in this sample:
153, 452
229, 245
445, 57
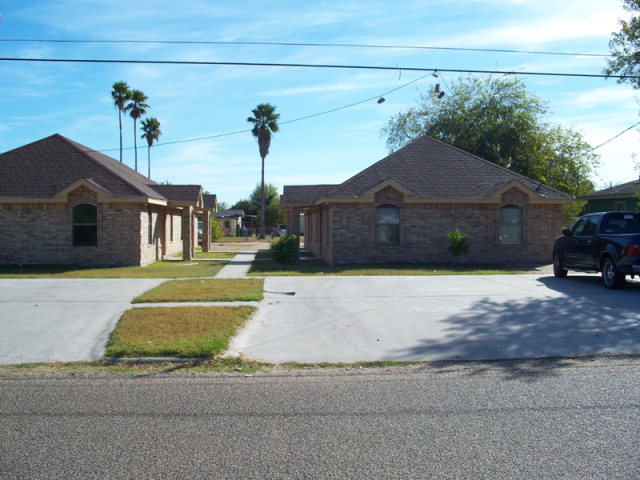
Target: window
511, 225
387, 225
85, 225
621, 206
585, 227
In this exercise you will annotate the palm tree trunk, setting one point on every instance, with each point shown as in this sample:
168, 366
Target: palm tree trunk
120, 123
262, 216
149, 161
135, 143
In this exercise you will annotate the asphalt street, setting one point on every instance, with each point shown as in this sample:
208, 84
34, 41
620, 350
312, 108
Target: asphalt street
546, 419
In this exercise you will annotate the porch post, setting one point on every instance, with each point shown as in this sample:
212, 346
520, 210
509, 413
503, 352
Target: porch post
206, 231
187, 233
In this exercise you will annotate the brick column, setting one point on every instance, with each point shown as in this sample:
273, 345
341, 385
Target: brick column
187, 233
206, 231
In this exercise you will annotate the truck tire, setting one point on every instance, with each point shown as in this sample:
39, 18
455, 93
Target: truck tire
559, 269
611, 277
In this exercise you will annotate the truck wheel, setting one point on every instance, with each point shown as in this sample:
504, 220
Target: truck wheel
558, 266
611, 277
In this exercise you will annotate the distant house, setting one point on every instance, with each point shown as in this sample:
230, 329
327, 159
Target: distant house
616, 198
401, 208
64, 203
230, 221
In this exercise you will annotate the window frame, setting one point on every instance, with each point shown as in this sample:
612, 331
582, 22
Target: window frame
508, 229
385, 229
79, 229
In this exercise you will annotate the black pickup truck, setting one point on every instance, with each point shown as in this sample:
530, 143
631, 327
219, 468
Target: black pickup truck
607, 242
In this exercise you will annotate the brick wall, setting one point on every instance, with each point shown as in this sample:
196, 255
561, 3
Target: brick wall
423, 230
42, 233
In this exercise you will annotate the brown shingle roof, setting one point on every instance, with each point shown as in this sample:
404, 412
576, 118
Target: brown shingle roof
210, 200
45, 167
303, 194
433, 169
628, 189
179, 193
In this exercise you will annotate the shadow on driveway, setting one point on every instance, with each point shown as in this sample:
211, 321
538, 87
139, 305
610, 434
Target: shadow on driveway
586, 319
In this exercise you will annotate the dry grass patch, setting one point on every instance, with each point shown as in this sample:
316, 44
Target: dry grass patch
166, 269
176, 331
206, 290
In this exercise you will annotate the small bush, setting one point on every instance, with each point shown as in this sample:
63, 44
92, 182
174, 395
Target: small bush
459, 243
286, 250
216, 229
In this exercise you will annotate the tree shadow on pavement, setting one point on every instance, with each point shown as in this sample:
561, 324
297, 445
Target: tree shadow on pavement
578, 317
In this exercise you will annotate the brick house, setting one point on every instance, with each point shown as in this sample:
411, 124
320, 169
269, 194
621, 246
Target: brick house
64, 203
401, 208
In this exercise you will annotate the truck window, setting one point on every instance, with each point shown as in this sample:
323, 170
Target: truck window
622, 223
578, 228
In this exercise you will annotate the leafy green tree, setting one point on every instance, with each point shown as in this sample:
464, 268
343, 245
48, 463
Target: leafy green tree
136, 108
265, 123
152, 132
273, 214
121, 95
625, 47
500, 121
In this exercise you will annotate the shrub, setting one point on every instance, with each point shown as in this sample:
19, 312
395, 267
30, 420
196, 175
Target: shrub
286, 250
216, 229
459, 243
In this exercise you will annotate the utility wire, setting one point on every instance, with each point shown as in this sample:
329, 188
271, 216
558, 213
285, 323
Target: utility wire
310, 65
614, 137
307, 44
228, 134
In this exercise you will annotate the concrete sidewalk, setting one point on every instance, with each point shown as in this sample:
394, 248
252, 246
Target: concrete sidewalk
238, 267
65, 320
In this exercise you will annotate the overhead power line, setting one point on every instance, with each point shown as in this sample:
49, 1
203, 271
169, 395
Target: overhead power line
311, 65
306, 117
307, 44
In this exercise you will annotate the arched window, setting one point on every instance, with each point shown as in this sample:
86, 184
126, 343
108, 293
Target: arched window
387, 225
511, 225
85, 225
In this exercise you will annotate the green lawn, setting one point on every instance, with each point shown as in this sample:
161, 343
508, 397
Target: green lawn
205, 290
262, 267
176, 331
215, 255
168, 269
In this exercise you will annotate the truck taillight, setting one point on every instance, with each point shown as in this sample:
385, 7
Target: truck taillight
633, 250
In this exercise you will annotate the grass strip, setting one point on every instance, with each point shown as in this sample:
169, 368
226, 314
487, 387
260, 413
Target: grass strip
216, 255
268, 267
205, 290
176, 331
167, 269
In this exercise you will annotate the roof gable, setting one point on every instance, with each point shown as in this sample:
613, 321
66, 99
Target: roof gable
46, 167
435, 170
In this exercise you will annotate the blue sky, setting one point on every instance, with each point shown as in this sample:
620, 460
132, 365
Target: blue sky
191, 102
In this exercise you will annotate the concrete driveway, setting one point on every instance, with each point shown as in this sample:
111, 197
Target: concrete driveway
347, 319
48, 320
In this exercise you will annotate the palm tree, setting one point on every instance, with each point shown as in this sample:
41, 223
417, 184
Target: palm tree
136, 108
121, 95
265, 122
151, 129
